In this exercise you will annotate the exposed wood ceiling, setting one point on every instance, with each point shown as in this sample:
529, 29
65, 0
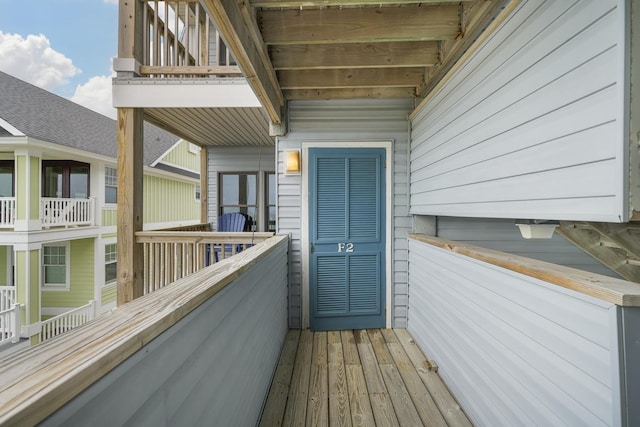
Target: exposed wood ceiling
327, 49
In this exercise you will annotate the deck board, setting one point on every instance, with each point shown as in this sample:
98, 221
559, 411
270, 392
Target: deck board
358, 378
277, 398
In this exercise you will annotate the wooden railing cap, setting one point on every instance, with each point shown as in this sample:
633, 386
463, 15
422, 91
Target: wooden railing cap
615, 291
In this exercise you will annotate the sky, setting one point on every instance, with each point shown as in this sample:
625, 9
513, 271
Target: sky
63, 46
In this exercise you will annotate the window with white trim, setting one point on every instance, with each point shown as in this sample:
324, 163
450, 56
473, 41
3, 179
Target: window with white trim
110, 185
55, 266
270, 201
197, 192
110, 263
239, 193
252, 194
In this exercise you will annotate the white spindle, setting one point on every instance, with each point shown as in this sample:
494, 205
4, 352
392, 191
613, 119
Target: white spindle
67, 321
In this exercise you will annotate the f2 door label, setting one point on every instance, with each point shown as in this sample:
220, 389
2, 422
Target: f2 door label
345, 247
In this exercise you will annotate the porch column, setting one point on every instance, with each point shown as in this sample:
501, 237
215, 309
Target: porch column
28, 265
27, 190
204, 194
130, 173
130, 151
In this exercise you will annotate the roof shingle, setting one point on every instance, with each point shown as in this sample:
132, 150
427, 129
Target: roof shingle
49, 117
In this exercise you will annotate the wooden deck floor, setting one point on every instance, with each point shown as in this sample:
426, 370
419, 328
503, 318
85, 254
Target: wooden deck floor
375, 377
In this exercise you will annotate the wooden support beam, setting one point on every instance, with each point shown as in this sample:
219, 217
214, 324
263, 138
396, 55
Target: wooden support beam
354, 55
350, 25
477, 18
238, 29
130, 29
350, 93
204, 182
130, 177
589, 239
298, 4
342, 78
619, 234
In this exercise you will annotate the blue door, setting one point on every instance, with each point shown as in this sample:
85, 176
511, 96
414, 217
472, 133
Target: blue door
347, 238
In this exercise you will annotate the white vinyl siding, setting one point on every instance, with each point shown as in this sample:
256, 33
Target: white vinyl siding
531, 125
347, 120
213, 367
237, 160
513, 349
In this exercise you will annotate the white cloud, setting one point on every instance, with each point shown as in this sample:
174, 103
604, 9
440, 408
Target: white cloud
32, 59
95, 94
111, 1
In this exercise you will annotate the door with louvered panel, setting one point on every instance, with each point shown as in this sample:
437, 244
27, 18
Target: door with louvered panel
347, 238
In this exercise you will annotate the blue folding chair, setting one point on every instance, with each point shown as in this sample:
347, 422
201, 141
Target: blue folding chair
230, 222
233, 221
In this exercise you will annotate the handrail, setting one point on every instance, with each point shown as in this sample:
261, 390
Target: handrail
615, 291
7, 297
10, 323
193, 227
178, 38
67, 321
58, 211
40, 380
7, 211
171, 255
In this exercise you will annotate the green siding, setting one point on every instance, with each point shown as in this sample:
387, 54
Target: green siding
109, 235
81, 276
181, 156
34, 187
109, 294
3, 265
109, 217
21, 187
167, 200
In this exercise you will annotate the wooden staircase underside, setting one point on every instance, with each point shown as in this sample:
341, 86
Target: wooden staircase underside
616, 245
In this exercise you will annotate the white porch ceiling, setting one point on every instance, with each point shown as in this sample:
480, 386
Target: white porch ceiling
214, 126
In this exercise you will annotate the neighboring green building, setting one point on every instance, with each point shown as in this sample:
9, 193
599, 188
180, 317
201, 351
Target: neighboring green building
58, 191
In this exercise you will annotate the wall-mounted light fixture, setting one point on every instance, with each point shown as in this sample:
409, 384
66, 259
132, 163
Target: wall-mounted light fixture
536, 229
292, 162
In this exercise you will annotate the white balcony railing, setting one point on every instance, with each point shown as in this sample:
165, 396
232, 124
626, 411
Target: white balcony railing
171, 255
67, 321
7, 211
10, 324
58, 212
7, 297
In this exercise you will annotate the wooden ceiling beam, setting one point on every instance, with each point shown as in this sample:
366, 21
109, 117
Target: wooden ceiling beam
351, 78
238, 29
479, 19
350, 93
354, 55
364, 25
325, 3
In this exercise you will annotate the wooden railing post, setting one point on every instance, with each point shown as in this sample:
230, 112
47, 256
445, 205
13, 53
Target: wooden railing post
130, 161
130, 175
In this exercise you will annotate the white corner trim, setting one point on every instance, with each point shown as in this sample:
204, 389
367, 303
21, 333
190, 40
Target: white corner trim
162, 156
12, 130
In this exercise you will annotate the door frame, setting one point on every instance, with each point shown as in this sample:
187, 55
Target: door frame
304, 220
